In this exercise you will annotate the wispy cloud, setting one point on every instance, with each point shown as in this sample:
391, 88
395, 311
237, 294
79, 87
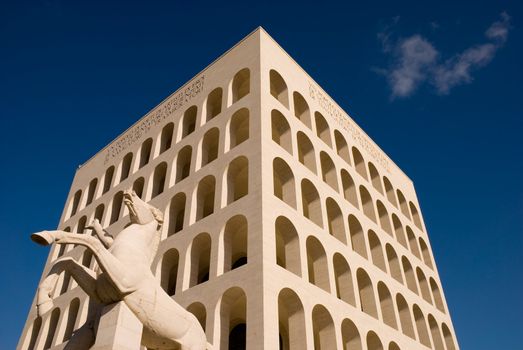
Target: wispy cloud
416, 61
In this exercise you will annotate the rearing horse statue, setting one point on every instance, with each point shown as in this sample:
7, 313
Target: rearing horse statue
124, 275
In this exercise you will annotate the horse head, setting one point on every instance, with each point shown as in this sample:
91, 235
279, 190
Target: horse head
140, 212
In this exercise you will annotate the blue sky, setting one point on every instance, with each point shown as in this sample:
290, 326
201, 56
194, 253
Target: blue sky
436, 84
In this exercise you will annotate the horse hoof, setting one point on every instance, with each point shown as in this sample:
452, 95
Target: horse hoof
42, 238
43, 308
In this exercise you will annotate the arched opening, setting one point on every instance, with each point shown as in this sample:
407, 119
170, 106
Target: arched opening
394, 264
398, 231
413, 242
366, 291
237, 179
404, 315
317, 264
210, 144
283, 182
373, 341
425, 253
436, 334
328, 171
343, 278
138, 186
116, 207
53, 323
423, 285
349, 188
214, 103
306, 154
415, 216
91, 191
375, 178
359, 163
403, 204
367, 203
393, 346
387, 306
235, 243
76, 202
335, 220
311, 202
241, 84
449, 341
37, 325
233, 319
421, 326
376, 251
169, 272
166, 138
301, 109
322, 129
87, 258
278, 88
281, 130
198, 310
160, 173
390, 192
183, 163
409, 275
350, 336
323, 329
108, 179
145, 152
189, 121
239, 128
200, 259
74, 306
287, 245
205, 197
176, 214
341, 146
82, 222
291, 321
436, 294
384, 217
357, 236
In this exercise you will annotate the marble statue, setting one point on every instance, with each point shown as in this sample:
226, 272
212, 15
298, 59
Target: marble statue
124, 274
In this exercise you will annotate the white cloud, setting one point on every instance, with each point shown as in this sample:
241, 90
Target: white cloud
417, 61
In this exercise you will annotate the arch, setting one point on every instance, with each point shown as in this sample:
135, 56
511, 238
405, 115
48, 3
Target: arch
387, 306
311, 202
317, 264
367, 203
233, 319
349, 188
235, 243
328, 171
301, 109
160, 173
421, 326
404, 315
384, 217
53, 323
341, 146
87, 258
435, 333
376, 251
343, 279
176, 213
389, 190
74, 306
198, 310
425, 253
189, 121
413, 242
210, 143
283, 182
281, 130
409, 275
214, 103
183, 163
394, 264
205, 197
116, 207
423, 285
449, 340
287, 245
306, 154
398, 231
403, 204
323, 329
373, 341
322, 129
278, 88
237, 179
241, 84
415, 216
357, 236
375, 178
393, 346
35, 331
436, 294
350, 335
145, 152
76, 202
200, 259
82, 222
335, 220
291, 321
366, 292
138, 186
166, 138
239, 128
108, 179
359, 163
91, 191
169, 271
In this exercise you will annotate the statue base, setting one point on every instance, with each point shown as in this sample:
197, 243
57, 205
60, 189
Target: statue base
119, 329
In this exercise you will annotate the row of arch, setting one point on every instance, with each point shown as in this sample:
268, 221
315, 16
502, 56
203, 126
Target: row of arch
281, 132
238, 132
284, 188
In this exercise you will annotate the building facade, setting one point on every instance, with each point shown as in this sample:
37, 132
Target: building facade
285, 227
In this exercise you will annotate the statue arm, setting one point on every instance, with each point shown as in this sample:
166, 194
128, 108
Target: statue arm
105, 237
